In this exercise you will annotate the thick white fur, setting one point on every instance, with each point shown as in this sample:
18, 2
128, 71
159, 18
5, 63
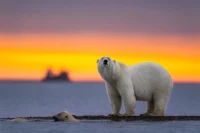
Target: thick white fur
19, 120
65, 116
146, 81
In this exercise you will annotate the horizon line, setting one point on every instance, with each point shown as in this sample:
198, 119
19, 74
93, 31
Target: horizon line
86, 81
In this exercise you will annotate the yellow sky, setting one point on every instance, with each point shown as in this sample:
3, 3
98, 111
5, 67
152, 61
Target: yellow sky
27, 56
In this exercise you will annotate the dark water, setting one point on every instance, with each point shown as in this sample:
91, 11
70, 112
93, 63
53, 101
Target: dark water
46, 99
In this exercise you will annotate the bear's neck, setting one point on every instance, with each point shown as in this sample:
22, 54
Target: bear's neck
110, 74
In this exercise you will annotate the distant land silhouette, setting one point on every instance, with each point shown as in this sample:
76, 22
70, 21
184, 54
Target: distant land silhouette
50, 76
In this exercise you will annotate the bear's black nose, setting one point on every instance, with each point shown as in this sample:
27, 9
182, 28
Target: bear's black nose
105, 62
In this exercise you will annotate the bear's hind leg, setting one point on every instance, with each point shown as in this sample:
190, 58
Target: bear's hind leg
160, 106
150, 108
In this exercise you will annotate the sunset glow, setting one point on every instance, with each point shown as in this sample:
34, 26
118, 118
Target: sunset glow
27, 56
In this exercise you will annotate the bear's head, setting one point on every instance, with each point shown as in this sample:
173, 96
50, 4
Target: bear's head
65, 116
105, 62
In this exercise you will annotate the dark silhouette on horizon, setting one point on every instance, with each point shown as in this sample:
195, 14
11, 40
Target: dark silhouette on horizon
62, 76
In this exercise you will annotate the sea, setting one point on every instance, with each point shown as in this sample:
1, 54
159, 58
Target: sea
24, 99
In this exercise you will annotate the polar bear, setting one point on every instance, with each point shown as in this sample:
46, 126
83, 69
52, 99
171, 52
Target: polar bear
19, 120
65, 116
146, 81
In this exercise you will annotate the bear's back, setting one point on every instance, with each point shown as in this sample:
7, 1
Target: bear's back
150, 73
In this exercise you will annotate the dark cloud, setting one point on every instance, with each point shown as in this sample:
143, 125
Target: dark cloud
66, 16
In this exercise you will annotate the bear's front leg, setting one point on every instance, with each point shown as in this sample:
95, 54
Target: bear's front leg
115, 100
127, 92
130, 103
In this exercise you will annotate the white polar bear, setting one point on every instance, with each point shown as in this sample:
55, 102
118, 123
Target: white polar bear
65, 116
146, 81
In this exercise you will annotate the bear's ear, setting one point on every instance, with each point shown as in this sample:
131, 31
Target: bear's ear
97, 60
114, 61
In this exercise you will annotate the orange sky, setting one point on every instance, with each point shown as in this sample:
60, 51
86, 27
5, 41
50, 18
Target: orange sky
27, 56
